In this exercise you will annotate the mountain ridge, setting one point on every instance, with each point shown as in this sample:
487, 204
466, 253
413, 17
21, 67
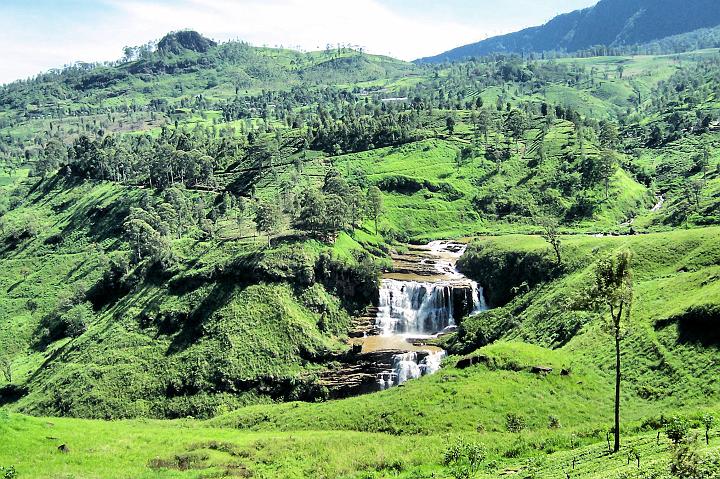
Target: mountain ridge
612, 23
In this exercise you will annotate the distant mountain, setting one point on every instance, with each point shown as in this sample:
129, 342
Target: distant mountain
611, 23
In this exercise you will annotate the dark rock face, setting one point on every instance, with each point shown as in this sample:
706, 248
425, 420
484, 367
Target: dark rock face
463, 303
542, 370
177, 42
365, 325
469, 361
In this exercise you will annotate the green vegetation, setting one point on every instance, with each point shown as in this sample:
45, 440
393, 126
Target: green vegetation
187, 234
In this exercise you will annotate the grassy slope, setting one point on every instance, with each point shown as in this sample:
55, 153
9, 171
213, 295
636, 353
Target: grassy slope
146, 449
674, 272
668, 352
134, 350
443, 207
666, 372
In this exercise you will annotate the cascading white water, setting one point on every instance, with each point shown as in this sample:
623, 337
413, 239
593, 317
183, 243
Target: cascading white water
478, 296
406, 367
420, 309
423, 309
414, 308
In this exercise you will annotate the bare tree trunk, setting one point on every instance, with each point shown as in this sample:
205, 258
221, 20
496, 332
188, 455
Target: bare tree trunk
617, 394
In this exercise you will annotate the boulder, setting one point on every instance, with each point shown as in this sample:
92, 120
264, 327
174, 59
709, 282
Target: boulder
544, 370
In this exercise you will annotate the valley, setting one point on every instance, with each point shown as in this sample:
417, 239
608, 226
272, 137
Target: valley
222, 260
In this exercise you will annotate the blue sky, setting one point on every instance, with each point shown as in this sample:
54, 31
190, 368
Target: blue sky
41, 34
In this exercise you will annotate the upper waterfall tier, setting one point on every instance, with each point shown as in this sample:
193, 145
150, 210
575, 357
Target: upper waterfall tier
415, 308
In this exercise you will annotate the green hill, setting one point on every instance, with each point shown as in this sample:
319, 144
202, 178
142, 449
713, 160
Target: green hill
189, 236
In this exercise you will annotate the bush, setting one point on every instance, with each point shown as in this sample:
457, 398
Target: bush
515, 422
503, 272
75, 321
69, 319
688, 463
554, 423
518, 448
463, 459
7, 472
676, 429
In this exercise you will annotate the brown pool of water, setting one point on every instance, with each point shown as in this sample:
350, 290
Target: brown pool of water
392, 343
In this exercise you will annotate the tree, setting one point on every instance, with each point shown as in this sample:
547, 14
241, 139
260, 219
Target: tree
702, 161
267, 218
676, 429
694, 188
336, 212
607, 164
312, 211
609, 135
147, 233
551, 234
375, 204
52, 156
483, 122
76, 319
613, 288
450, 124
141, 236
516, 125
356, 205
708, 421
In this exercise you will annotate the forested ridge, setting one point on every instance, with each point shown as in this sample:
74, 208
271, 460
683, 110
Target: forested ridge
611, 27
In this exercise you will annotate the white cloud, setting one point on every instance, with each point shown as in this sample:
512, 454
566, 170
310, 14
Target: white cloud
308, 24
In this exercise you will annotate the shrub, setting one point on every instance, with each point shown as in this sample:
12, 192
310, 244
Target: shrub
676, 429
518, 448
76, 320
463, 459
8, 472
686, 462
514, 422
554, 423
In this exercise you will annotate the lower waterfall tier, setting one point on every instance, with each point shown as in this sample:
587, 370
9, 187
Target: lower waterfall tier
407, 366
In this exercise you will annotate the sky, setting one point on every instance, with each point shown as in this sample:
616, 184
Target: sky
37, 35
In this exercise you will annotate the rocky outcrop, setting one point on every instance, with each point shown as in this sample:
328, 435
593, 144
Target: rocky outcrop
463, 299
358, 374
365, 325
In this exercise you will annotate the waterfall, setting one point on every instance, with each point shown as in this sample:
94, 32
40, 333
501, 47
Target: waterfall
414, 308
406, 367
420, 309
478, 297
424, 309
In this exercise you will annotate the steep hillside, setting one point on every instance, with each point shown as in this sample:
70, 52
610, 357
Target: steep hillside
610, 23
148, 240
81, 316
